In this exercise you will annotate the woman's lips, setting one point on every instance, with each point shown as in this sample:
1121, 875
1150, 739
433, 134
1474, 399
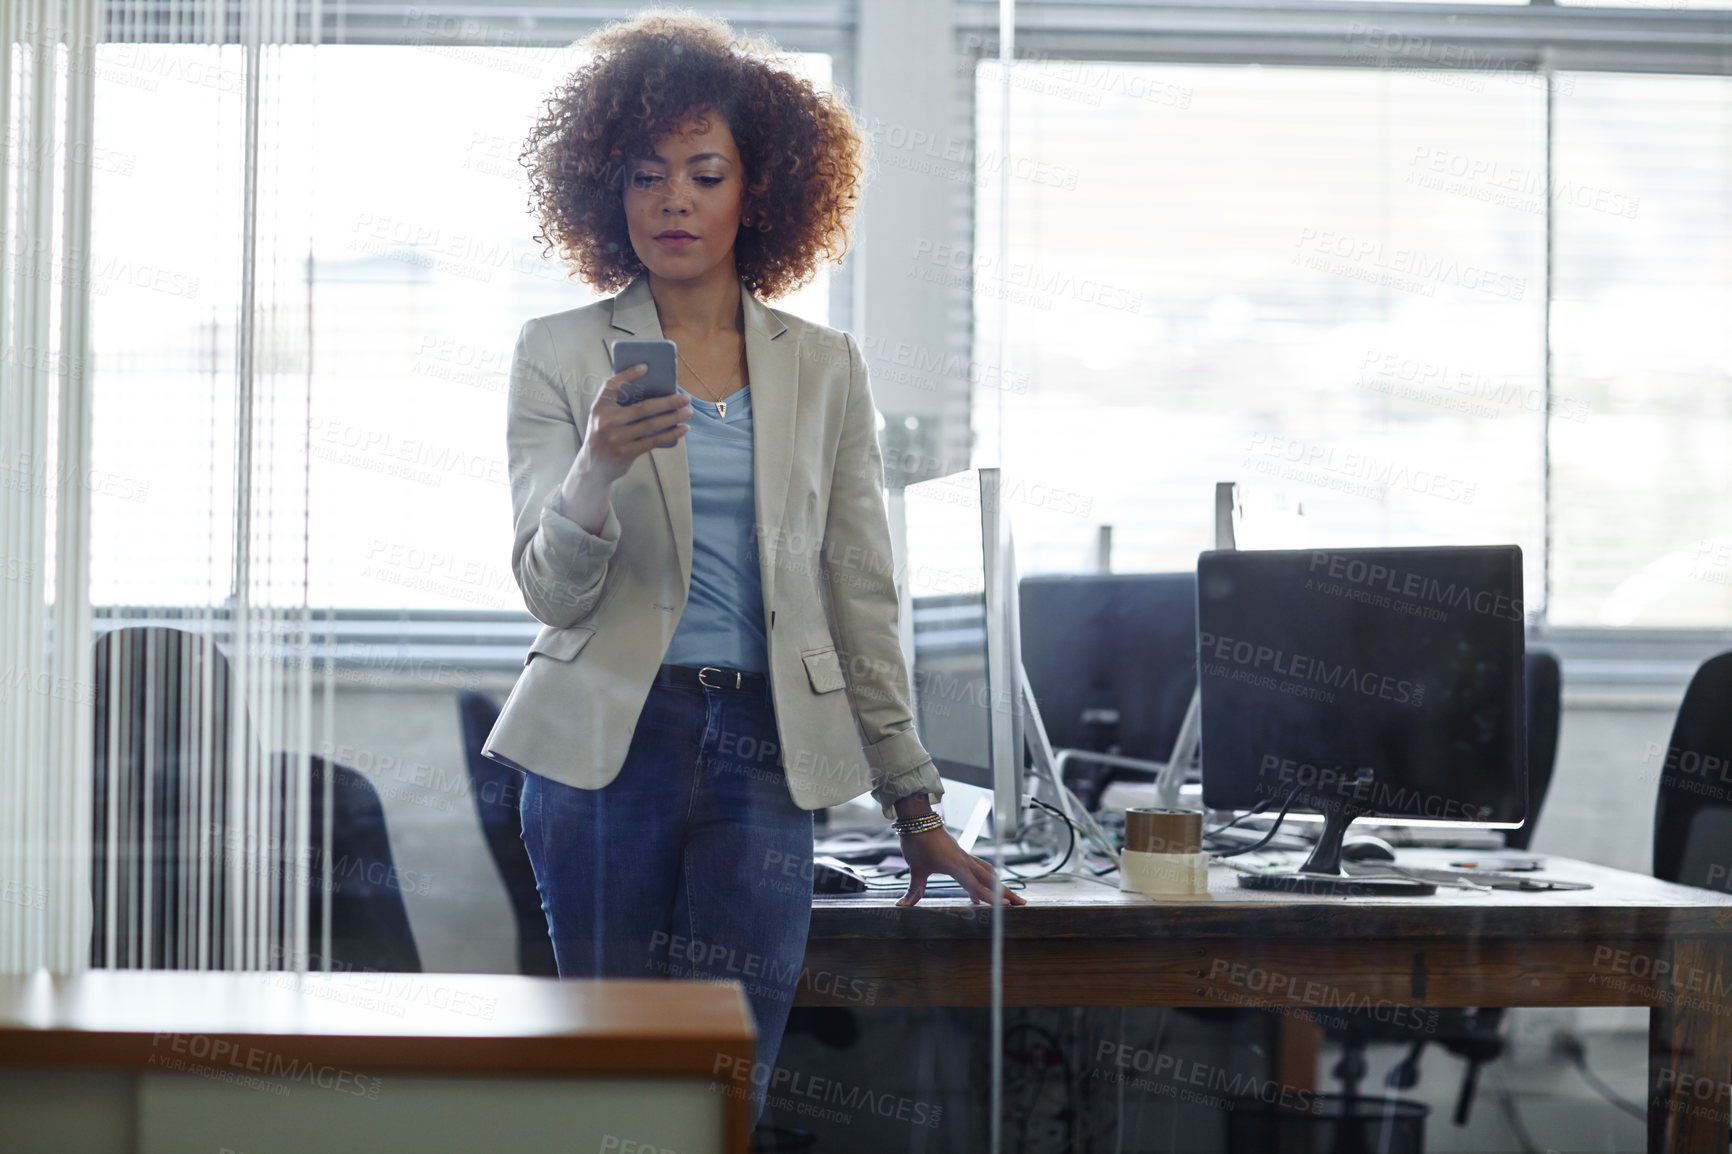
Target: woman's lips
675, 240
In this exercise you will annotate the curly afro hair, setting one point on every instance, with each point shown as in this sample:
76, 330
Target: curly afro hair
804, 157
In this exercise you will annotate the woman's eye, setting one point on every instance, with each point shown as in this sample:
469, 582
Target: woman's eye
709, 181
644, 179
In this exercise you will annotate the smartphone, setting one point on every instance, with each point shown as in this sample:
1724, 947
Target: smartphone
1501, 864
658, 382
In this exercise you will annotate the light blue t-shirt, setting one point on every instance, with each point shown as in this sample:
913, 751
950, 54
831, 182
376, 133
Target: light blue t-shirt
723, 622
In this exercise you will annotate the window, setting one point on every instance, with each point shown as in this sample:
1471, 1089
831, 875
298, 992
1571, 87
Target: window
395, 267
1641, 443
1269, 275
1330, 285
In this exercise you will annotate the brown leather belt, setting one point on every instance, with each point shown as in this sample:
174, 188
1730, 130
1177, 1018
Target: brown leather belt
711, 677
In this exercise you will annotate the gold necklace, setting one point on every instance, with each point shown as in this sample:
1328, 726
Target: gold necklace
721, 406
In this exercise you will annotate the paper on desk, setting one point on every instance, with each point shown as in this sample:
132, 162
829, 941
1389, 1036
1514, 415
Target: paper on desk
976, 822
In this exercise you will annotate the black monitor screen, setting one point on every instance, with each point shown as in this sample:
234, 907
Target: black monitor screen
1117, 647
1386, 680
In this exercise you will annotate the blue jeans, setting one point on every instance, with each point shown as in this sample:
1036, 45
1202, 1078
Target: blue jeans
693, 863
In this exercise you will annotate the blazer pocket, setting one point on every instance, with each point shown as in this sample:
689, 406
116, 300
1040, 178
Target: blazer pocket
560, 644
824, 669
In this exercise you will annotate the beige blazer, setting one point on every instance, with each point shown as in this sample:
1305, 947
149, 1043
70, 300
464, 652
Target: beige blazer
609, 603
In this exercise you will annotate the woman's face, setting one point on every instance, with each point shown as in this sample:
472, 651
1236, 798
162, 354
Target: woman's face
682, 204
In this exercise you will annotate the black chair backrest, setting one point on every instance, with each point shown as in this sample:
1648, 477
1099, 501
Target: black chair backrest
1545, 707
161, 756
162, 774
497, 790
369, 921
1693, 813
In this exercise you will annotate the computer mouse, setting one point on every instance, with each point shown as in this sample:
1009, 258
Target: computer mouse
833, 876
1367, 849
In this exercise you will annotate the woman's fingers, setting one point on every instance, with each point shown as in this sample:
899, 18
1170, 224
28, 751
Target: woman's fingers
660, 417
989, 878
609, 390
979, 888
631, 430
976, 884
653, 414
976, 876
654, 409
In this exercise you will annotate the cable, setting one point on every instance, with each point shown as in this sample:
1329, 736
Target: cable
1085, 821
1279, 818
1068, 850
1573, 1050
1506, 1099
1252, 812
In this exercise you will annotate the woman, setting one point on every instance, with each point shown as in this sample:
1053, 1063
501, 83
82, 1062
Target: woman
719, 654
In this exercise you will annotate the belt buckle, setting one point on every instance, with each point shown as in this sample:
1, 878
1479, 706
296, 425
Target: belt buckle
707, 668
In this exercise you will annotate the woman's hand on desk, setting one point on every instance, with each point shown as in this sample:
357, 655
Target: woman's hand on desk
936, 852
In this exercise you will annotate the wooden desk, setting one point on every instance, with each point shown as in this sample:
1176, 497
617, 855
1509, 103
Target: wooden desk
1629, 941
436, 1045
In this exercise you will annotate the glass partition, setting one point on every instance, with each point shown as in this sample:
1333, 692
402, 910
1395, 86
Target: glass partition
346, 721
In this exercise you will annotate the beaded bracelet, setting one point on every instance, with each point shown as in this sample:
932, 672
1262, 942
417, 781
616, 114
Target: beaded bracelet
926, 821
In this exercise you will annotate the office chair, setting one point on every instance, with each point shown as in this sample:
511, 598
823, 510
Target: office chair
1693, 831
497, 790
1472, 1034
166, 786
369, 922
162, 676
1545, 709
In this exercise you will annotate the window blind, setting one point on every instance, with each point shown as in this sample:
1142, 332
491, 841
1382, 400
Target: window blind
1325, 284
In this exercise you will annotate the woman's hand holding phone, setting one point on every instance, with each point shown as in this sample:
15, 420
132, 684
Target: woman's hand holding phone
616, 434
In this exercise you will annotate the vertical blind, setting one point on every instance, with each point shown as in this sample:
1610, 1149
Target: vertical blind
158, 778
279, 374
45, 660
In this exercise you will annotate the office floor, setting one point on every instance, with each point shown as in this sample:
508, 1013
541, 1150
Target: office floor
1600, 808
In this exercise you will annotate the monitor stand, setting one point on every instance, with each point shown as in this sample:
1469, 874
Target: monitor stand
1321, 873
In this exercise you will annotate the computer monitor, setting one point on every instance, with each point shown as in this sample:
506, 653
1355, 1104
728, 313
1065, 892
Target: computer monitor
1364, 682
1111, 658
959, 579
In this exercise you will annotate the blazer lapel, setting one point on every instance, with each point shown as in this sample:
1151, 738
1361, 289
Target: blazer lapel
772, 368
773, 363
634, 314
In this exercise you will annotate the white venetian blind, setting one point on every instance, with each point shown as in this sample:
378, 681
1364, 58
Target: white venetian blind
1325, 284
1642, 337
